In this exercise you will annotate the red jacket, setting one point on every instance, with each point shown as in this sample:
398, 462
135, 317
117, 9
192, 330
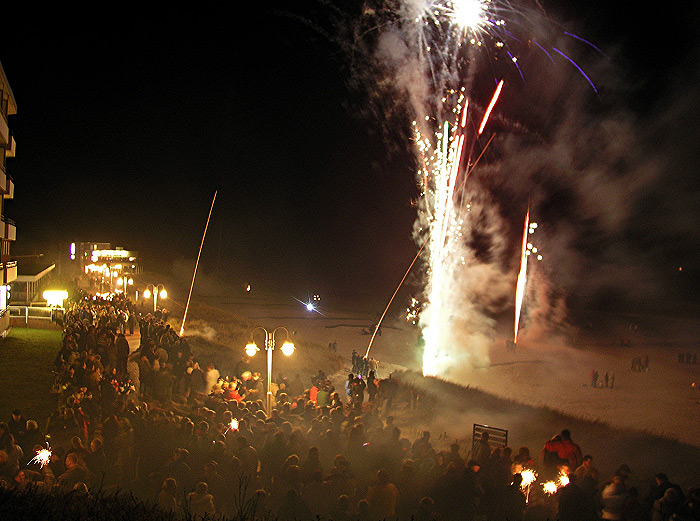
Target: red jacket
566, 450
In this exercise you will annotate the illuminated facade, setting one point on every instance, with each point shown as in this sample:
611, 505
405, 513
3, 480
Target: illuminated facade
8, 231
109, 269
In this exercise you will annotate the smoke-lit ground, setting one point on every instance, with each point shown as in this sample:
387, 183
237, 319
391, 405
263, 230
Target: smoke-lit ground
647, 420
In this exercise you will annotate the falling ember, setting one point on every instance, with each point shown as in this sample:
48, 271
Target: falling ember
43, 457
522, 278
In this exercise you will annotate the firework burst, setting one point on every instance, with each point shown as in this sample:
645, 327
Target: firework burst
455, 62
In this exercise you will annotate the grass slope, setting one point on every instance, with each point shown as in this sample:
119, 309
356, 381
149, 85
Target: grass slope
26, 363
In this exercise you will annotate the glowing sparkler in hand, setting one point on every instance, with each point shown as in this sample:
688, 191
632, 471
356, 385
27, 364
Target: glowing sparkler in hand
232, 426
529, 477
549, 487
42, 457
562, 479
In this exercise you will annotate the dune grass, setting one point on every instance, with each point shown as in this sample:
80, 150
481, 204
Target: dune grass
26, 363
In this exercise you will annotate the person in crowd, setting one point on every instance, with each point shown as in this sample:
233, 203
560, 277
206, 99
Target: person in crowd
200, 503
633, 509
212, 376
341, 511
666, 506
658, 489
588, 477
575, 506
314, 454
293, 507
17, 424
167, 497
76, 471
482, 450
382, 497
613, 497
122, 348
562, 449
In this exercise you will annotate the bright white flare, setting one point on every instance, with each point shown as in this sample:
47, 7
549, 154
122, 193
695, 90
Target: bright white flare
43, 457
550, 487
522, 279
562, 479
529, 477
469, 13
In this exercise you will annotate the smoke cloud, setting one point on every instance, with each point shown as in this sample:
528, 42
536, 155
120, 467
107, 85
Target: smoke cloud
587, 166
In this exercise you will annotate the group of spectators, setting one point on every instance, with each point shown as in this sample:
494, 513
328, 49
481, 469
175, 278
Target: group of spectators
181, 437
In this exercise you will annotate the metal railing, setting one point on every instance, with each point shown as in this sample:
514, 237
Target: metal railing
34, 312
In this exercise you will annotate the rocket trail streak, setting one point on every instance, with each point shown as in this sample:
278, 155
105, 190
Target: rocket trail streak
494, 99
490, 107
187, 305
463, 122
379, 323
522, 278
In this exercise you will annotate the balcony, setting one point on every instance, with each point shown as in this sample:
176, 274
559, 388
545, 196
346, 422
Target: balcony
9, 188
11, 147
10, 229
4, 131
10, 272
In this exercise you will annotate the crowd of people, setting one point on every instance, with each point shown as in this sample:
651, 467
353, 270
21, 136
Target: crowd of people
162, 424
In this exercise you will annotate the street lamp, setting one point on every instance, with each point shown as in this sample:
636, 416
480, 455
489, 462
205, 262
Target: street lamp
124, 282
252, 348
158, 291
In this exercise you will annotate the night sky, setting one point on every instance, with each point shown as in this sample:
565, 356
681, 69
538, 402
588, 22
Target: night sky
128, 122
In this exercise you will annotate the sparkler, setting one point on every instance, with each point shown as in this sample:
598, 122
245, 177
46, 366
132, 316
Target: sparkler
562, 479
42, 457
549, 487
232, 426
529, 477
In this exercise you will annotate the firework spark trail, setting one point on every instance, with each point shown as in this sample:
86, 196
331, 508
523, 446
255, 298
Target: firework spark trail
522, 278
204, 235
433, 50
492, 103
442, 164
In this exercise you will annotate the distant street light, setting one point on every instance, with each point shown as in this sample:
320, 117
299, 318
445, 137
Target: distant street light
252, 348
158, 291
124, 282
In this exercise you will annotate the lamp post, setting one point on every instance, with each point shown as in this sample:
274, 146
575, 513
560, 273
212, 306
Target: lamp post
252, 348
158, 291
124, 282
